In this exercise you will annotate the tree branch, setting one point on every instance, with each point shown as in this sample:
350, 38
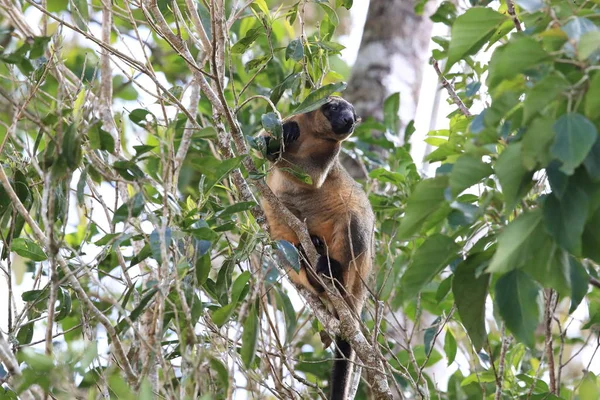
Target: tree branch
451, 91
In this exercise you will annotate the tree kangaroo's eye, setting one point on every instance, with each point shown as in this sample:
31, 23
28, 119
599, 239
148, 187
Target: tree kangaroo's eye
334, 107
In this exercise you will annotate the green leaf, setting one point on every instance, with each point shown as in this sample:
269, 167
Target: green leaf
514, 58
250, 338
391, 119
450, 346
470, 292
543, 93
203, 267
589, 43
223, 169
466, 172
427, 197
155, 244
589, 389
101, 139
513, 176
25, 333
470, 32
239, 285
28, 249
516, 242
565, 217
221, 315
298, 173
535, 150
592, 98
591, 237
429, 334
244, 43
429, 260
132, 209
80, 13
579, 282
294, 50
575, 136
285, 304
141, 256
291, 254
71, 147
519, 304
272, 124
319, 97
222, 372
592, 162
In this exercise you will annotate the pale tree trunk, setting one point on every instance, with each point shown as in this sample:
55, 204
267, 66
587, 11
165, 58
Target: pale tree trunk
392, 55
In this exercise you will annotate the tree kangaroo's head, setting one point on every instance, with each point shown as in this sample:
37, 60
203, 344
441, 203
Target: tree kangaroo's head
335, 120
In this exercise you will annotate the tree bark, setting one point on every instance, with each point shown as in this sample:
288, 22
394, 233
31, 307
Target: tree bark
392, 54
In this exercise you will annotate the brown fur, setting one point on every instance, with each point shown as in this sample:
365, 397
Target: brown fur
335, 207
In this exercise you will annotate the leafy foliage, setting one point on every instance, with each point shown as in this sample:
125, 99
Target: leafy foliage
141, 241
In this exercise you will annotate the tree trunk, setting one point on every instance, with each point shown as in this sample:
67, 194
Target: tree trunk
392, 54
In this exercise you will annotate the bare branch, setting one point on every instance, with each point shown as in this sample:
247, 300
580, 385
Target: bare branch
448, 86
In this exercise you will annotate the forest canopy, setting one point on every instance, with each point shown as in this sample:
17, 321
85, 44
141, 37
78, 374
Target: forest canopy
136, 254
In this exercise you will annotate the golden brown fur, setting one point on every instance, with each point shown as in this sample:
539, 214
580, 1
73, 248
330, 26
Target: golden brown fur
334, 207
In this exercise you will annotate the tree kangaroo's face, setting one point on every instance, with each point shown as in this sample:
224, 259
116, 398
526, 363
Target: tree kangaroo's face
340, 116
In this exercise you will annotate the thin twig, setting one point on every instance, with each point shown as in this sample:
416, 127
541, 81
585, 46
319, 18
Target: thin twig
501, 361
510, 6
451, 91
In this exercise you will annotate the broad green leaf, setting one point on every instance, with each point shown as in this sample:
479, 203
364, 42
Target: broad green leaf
516, 242
470, 292
592, 161
272, 124
141, 256
579, 282
239, 285
514, 58
391, 119
155, 243
589, 389
592, 98
429, 334
71, 147
466, 172
298, 173
535, 151
28, 249
221, 315
80, 13
513, 176
519, 304
222, 372
548, 264
450, 346
591, 237
132, 209
543, 93
222, 169
290, 253
426, 198
294, 50
589, 43
203, 267
575, 136
244, 43
428, 261
25, 333
565, 217
470, 32
250, 337
319, 97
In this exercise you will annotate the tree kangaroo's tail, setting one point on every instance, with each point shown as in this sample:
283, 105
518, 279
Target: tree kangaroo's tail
343, 365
